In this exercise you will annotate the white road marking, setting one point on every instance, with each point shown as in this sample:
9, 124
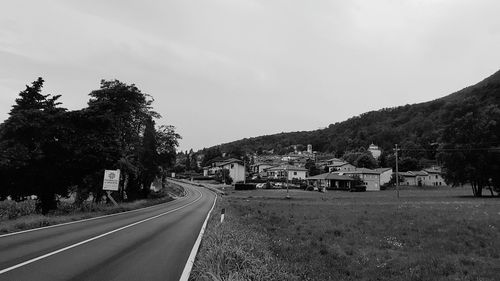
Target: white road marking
190, 262
84, 220
96, 237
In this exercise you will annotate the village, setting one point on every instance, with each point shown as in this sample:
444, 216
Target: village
293, 170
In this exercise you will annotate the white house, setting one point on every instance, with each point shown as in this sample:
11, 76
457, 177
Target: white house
426, 177
341, 166
261, 167
417, 178
372, 178
385, 175
236, 169
434, 177
287, 172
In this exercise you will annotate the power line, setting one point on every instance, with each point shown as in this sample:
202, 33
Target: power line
452, 149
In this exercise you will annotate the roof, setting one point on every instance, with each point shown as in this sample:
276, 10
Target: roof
366, 171
363, 171
339, 164
407, 174
263, 163
230, 161
287, 167
432, 171
330, 176
419, 173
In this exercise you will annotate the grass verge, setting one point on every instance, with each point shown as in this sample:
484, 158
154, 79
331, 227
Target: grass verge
18, 216
425, 235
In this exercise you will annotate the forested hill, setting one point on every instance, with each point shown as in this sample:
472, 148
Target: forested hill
416, 126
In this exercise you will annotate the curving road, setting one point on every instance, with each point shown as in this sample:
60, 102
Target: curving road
146, 244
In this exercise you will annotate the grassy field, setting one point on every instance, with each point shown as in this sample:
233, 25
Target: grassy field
424, 235
17, 216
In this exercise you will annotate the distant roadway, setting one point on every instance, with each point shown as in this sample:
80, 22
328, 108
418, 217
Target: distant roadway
147, 244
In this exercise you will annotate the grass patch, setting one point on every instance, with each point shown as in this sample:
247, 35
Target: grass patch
18, 216
425, 235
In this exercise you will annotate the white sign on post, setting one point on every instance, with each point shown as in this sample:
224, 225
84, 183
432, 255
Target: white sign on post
111, 180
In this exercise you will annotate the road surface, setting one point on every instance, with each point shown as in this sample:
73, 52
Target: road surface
147, 244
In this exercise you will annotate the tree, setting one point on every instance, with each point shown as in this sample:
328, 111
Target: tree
149, 157
468, 149
366, 160
166, 142
222, 176
129, 111
311, 168
34, 149
209, 154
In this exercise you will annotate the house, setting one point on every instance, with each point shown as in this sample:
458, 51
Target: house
385, 175
434, 177
331, 181
340, 166
426, 177
413, 178
236, 169
287, 172
261, 167
373, 179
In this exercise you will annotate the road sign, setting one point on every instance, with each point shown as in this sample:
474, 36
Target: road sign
111, 180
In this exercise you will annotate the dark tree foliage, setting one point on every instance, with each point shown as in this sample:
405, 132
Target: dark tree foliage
94, 149
312, 169
45, 149
129, 111
166, 142
209, 154
470, 146
33, 148
148, 158
222, 176
361, 159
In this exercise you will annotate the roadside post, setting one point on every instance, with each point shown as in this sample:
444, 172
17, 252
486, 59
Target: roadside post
222, 213
110, 183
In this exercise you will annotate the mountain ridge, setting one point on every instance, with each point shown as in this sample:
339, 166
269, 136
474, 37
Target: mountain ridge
418, 124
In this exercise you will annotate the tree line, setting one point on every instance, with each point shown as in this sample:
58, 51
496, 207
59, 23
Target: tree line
49, 151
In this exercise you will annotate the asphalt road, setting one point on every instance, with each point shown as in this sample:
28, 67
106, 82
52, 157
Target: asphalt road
146, 244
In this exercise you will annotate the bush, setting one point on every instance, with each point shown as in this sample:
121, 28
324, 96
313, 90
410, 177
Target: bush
10, 209
245, 186
202, 178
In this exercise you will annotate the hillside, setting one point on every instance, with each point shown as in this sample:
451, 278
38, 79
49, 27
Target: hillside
417, 126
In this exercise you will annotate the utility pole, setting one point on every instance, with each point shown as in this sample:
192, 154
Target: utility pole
244, 171
286, 174
397, 171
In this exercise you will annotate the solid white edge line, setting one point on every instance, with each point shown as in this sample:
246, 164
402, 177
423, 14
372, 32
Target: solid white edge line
96, 237
190, 262
84, 220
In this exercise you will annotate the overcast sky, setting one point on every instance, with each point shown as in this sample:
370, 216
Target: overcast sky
223, 70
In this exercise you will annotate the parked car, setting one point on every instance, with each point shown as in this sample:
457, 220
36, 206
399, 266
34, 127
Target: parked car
261, 185
358, 188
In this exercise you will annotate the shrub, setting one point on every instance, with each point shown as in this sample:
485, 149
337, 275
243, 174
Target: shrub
244, 186
11, 209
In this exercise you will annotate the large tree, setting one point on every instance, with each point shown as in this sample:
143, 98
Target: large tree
469, 148
34, 150
129, 111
